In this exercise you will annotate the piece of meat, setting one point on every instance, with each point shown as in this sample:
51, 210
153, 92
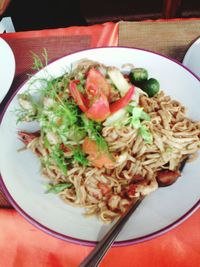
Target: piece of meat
167, 177
105, 189
28, 137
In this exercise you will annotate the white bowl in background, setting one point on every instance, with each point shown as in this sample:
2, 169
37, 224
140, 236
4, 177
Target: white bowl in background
192, 58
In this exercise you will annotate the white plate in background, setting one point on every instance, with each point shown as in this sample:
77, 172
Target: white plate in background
7, 68
192, 58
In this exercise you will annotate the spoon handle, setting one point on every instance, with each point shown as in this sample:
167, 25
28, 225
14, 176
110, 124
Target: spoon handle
93, 259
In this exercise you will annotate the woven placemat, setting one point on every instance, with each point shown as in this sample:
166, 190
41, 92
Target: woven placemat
56, 46
170, 37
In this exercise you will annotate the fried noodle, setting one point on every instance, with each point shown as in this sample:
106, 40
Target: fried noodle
108, 192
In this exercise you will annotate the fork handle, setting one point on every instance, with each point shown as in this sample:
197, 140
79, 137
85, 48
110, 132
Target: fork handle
94, 258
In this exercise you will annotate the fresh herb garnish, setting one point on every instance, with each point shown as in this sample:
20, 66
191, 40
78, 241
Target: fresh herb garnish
58, 156
51, 188
137, 115
146, 135
40, 61
94, 132
79, 156
60, 119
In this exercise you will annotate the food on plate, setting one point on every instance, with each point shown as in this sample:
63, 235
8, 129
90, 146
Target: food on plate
138, 75
106, 136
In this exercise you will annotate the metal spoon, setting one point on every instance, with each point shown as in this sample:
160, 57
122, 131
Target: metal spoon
94, 258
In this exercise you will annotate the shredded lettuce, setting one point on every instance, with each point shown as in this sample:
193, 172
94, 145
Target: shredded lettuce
146, 135
137, 116
145, 116
116, 118
119, 81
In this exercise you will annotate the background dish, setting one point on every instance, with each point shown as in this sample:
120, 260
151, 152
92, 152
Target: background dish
158, 213
7, 68
192, 57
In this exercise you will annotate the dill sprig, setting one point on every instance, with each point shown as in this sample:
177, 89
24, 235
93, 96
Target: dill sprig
58, 156
39, 62
59, 117
80, 156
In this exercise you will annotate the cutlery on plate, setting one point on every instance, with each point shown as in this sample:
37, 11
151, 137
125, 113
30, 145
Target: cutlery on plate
97, 254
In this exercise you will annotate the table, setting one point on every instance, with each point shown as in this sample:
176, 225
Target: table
23, 245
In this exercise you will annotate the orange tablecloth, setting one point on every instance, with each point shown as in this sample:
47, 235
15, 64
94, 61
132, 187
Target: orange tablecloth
23, 245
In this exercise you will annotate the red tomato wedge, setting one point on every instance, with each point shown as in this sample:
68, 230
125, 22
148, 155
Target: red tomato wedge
78, 96
100, 109
97, 157
98, 90
122, 102
96, 83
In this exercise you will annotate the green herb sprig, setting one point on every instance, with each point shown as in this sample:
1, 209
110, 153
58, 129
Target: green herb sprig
39, 62
58, 188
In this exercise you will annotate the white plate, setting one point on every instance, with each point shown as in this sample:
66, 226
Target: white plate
159, 212
7, 68
192, 58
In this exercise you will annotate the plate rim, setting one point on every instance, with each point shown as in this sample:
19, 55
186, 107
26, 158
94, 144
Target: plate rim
79, 241
13, 68
89, 243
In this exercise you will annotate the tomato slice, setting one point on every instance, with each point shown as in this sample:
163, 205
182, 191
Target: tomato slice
122, 102
78, 96
100, 109
97, 83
